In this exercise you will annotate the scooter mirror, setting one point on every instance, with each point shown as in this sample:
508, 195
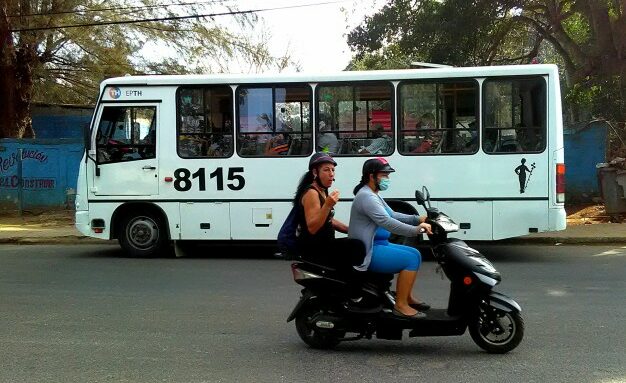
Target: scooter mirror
419, 196
426, 193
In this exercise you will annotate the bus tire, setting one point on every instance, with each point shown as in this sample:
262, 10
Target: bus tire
143, 234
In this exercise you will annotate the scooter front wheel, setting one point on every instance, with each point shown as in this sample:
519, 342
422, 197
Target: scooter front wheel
497, 331
308, 331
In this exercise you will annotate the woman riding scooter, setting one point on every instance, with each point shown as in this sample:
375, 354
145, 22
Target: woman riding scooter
372, 221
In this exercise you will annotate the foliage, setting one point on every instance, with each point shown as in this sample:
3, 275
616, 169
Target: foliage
66, 64
586, 37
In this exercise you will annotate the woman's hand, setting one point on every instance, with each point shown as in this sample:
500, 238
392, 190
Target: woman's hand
424, 228
332, 199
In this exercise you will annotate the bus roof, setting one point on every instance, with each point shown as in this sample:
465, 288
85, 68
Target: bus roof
404, 74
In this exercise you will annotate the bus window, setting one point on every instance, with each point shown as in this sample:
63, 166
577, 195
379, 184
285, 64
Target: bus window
355, 120
126, 133
514, 115
274, 121
205, 123
438, 117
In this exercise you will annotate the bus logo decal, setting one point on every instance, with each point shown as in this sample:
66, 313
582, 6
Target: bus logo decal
521, 174
115, 92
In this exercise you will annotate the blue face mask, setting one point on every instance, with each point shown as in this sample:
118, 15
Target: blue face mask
383, 184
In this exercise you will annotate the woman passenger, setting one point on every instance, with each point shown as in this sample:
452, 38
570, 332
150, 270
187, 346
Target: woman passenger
316, 241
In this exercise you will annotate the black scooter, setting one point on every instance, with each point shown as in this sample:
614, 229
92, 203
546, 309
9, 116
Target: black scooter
338, 306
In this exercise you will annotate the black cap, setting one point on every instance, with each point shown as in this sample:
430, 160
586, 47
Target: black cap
377, 165
320, 158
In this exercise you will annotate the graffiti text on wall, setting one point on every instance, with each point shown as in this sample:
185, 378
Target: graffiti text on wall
12, 182
8, 162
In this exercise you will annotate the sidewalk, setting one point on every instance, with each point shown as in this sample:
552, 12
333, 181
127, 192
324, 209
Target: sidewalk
57, 227
52, 227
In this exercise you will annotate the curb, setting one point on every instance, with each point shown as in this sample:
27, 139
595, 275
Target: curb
65, 240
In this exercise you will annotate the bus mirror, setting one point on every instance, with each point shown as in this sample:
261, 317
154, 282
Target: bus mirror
86, 137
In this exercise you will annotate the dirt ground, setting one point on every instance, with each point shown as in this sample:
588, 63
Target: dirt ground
576, 215
586, 214
38, 218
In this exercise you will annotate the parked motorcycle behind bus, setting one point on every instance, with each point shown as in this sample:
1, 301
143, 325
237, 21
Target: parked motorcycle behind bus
340, 306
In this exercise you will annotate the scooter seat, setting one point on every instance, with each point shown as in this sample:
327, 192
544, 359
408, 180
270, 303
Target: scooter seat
378, 279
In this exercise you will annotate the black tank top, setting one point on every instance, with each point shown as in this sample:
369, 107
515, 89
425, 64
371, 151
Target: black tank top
324, 234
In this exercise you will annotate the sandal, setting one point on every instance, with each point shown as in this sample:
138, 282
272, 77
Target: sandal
417, 315
421, 306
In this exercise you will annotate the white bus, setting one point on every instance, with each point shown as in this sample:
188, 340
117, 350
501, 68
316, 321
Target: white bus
218, 157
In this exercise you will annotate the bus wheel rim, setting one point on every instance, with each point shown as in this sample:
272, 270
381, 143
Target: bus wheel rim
143, 232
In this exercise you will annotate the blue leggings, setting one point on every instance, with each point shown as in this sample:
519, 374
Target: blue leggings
391, 258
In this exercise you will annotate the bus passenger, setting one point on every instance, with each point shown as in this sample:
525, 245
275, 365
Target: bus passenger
327, 140
426, 121
317, 242
372, 221
278, 145
381, 143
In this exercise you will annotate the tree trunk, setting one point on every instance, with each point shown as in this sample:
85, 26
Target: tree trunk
7, 76
26, 58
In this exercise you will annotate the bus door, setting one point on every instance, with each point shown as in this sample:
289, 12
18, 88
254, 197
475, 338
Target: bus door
126, 161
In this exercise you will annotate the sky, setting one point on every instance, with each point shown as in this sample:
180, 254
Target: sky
315, 35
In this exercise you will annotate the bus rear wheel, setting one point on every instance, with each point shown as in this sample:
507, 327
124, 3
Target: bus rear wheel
142, 234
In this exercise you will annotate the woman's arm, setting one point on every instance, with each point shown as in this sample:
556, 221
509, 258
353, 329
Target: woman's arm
315, 215
340, 226
374, 208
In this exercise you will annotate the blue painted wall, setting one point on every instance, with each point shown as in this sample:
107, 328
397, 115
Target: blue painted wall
60, 121
49, 172
584, 148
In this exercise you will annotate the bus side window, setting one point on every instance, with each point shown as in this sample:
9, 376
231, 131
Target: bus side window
355, 120
274, 121
438, 117
205, 123
123, 132
515, 115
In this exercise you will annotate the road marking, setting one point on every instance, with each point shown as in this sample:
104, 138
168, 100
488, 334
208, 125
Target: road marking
557, 293
615, 252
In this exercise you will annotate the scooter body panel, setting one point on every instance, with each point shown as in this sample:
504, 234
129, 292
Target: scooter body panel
504, 303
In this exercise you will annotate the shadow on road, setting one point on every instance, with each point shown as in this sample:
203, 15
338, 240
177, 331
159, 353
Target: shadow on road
195, 250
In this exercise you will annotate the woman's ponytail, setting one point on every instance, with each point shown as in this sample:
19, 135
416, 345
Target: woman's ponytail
363, 182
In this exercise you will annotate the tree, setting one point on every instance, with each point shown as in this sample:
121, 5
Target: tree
589, 37
60, 50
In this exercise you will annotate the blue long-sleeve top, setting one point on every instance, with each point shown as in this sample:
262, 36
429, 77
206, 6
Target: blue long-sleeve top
368, 212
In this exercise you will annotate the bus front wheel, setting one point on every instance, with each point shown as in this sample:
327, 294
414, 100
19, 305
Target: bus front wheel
142, 234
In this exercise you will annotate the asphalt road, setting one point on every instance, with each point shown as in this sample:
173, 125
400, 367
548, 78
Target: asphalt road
88, 314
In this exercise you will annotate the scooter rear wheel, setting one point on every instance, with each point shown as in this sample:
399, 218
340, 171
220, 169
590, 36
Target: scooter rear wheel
309, 333
497, 331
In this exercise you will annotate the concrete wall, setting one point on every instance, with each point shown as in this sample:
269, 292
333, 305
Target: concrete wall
49, 172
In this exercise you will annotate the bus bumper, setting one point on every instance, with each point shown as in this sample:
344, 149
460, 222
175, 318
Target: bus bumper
557, 218
82, 223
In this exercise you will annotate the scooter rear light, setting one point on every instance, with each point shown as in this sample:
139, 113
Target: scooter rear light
467, 281
560, 183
